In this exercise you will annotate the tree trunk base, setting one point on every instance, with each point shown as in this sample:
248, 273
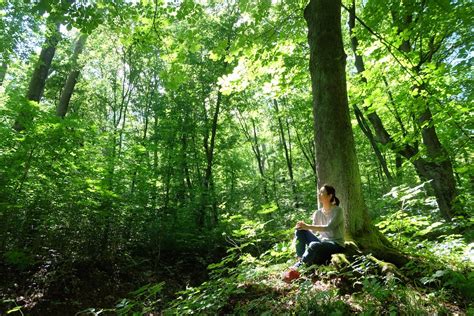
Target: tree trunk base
376, 244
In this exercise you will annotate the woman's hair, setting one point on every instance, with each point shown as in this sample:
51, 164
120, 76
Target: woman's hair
330, 190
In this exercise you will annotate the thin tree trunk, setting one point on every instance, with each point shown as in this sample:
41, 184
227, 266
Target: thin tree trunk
256, 149
336, 160
260, 161
208, 181
39, 76
212, 142
71, 80
275, 187
286, 150
148, 99
394, 110
125, 98
207, 194
185, 156
307, 153
3, 72
154, 195
359, 63
253, 140
187, 175
368, 133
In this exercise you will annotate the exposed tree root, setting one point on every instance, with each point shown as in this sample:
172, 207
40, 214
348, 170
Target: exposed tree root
375, 243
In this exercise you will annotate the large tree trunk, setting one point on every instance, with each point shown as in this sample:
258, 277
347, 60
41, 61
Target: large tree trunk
39, 76
68, 89
336, 160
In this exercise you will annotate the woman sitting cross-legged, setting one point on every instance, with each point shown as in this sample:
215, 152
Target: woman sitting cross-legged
328, 223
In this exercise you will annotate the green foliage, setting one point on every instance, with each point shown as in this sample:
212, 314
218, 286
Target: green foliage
130, 170
417, 218
243, 283
18, 259
310, 302
444, 257
142, 300
228, 278
15, 309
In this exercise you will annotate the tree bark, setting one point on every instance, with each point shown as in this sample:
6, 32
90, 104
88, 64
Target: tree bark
71, 80
39, 76
336, 160
440, 168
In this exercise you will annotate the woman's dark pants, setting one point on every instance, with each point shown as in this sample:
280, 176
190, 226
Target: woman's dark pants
311, 250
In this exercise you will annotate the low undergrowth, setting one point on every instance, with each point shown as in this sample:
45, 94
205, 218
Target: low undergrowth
438, 279
249, 281
254, 286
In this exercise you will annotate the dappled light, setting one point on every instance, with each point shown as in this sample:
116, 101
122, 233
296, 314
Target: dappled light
156, 157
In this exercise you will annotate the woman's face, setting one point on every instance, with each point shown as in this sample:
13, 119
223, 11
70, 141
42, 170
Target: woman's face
324, 197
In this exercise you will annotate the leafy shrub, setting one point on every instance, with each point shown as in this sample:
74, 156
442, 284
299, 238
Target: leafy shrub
19, 259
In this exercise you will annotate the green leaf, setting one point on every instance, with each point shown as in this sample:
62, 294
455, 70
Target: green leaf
16, 309
444, 4
213, 56
428, 229
267, 209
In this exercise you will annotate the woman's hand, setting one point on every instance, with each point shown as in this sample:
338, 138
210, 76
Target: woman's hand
301, 225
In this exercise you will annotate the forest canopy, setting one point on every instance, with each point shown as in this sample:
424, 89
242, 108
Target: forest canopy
155, 155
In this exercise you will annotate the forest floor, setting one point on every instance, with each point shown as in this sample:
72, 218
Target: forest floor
329, 292
247, 283
236, 283
62, 288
